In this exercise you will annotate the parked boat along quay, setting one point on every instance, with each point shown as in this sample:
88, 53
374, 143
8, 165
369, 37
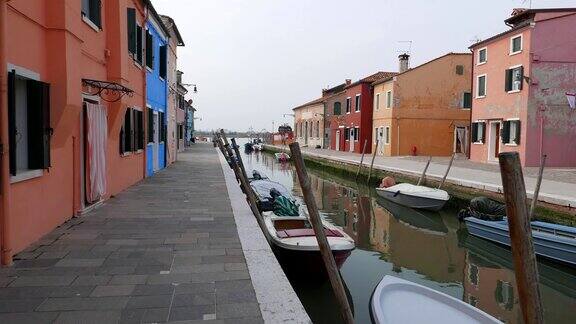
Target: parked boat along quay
429, 248
556, 200
165, 250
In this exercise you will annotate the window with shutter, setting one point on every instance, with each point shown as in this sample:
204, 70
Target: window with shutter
139, 44
29, 124
149, 50
140, 130
337, 108
389, 99
163, 61
460, 69
481, 86
513, 132
150, 122
505, 132
474, 132
92, 10
357, 103
131, 21
467, 100
348, 105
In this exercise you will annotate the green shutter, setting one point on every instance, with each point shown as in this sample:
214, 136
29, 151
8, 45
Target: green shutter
521, 77
163, 61
508, 80
150, 122
131, 20
149, 50
12, 120
139, 44
518, 124
96, 12
505, 132
38, 105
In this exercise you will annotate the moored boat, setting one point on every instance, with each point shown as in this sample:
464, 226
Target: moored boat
282, 157
397, 300
419, 197
553, 241
262, 188
294, 241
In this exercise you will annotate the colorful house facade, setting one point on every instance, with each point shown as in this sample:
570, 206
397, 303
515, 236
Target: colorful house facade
333, 98
521, 80
424, 110
175, 90
309, 123
156, 93
355, 126
74, 107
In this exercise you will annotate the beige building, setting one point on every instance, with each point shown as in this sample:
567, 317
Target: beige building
309, 123
424, 110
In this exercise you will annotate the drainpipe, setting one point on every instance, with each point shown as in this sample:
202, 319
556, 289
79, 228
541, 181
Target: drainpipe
6, 256
469, 135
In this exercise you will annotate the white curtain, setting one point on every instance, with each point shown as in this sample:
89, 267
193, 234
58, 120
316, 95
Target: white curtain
571, 99
461, 134
97, 135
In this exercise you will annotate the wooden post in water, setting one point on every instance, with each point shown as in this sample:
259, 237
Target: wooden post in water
243, 182
447, 170
424, 172
361, 159
325, 251
537, 189
372, 163
240, 162
525, 266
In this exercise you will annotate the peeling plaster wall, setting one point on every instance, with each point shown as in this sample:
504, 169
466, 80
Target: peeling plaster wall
554, 70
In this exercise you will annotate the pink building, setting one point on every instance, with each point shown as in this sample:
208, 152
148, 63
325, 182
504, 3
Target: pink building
520, 81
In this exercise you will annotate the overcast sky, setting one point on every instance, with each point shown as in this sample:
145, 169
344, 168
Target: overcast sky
254, 60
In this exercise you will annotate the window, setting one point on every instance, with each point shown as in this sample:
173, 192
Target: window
387, 135
317, 129
337, 108
513, 79
478, 132
357, 103
460, 69
482, 55
163, 127
377, 102
132, 131
347, 133
150, 125
29, 124
481, 86
376, 135
149, 50
91, 10
348, 108
163, 61
467, 100
388, 99
131, 28
516, 44
510, 132
356, 133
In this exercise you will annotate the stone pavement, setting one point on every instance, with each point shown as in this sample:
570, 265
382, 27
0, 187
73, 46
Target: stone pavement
558, 185
165, 250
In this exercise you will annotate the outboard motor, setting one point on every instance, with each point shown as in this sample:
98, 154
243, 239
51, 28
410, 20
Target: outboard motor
256, 175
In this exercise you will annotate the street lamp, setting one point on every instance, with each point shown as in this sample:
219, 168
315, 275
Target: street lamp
195, 89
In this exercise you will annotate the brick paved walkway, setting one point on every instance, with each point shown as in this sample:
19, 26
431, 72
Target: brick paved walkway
164, 250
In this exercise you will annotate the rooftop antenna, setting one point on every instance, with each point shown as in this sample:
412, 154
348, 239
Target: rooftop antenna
409, 51
475, 39
529, 3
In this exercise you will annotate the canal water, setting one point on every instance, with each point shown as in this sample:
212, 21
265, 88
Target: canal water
429, 248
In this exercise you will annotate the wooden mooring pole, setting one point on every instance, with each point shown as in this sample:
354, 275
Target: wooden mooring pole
424, 172
331, 268
537, 189
372, 163
447, 171
361, 159
525, 266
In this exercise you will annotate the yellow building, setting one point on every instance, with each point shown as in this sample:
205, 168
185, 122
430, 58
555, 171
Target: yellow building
424, 110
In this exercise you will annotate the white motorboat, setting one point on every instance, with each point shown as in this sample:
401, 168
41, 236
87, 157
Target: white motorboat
414, 196
257, 147
396, 300
295, 242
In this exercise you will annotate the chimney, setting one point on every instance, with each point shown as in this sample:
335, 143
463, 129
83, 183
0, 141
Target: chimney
348, 82
404, 60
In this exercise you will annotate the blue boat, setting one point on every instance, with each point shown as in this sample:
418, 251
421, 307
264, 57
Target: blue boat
557, 242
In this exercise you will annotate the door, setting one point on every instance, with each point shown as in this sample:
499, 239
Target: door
380, 139
155, 144
94, 132
494, 147
337, 140
351, 139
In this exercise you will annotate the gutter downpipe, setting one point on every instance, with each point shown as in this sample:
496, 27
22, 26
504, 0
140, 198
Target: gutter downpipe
6, 254
469, 148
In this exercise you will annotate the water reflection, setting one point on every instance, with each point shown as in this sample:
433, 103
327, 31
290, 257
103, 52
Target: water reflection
424, 247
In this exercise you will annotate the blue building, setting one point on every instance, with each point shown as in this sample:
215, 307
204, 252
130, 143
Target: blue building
156, 37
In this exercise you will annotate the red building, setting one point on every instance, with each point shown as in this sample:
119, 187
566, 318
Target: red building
351, 122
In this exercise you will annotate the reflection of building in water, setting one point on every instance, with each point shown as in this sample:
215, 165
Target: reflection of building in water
492, 290
428, 250
491, 287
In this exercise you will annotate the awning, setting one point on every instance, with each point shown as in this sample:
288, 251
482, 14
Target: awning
108, 91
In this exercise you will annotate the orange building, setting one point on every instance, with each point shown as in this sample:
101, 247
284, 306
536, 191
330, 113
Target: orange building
424, 110
72, 110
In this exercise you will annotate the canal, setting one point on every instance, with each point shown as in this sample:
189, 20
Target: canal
429, 248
